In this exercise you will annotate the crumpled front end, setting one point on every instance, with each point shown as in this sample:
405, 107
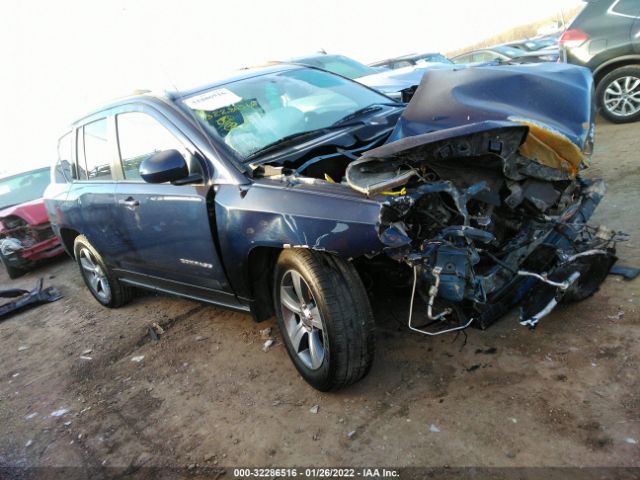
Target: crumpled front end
22, 244
481, 194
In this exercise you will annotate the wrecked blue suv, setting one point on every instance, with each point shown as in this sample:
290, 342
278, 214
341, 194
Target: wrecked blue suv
278, 191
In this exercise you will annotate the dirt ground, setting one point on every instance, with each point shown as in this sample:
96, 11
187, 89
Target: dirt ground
206, 394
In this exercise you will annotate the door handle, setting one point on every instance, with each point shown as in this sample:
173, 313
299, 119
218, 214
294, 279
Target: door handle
130, 202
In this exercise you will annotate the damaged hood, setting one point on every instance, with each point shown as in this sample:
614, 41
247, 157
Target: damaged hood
555, 95
549, 105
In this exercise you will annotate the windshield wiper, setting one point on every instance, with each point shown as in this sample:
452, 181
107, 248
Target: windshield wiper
296, 137
374, 107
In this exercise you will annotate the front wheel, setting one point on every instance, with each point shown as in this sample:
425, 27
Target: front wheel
98, 278
324, 317
618, 94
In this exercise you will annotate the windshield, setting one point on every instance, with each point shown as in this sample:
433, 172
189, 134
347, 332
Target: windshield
345, 66
23, 187
252, 113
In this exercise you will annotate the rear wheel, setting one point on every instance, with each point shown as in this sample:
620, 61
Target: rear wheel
324, 317
618, 94
100, 281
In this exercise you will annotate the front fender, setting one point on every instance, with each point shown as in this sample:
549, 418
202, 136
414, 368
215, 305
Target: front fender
275, 214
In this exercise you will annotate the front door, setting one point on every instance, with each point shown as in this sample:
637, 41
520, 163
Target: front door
166, 227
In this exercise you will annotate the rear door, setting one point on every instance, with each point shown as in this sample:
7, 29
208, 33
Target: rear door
167, 227
90, 201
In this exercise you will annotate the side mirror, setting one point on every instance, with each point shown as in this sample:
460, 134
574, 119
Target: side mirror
165, 166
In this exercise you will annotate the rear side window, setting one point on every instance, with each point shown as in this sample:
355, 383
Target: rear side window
140, 136
97, 152
62, 172
626, 8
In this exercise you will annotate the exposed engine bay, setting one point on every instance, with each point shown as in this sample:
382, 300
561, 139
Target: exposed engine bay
481, 195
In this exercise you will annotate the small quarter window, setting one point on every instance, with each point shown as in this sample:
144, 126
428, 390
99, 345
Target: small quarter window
63, 172
139, 137
96, 151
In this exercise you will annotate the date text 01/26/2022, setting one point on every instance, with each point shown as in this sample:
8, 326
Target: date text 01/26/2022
315, 472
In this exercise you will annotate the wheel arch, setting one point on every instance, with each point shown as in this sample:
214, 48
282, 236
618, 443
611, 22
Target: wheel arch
608, 67
67, 238
261, 262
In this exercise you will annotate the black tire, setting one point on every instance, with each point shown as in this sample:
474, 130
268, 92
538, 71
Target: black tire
348, 333
119, 294
12, 272
608, 81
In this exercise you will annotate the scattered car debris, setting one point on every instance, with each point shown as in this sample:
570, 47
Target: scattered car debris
137, 358
155, 331
628, 273
314, 409
487, 351
268, 344
617, 316
434, 429
265, 334
27, 298
631, 441
60, 412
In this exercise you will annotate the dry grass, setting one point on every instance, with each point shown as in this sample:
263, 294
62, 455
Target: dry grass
518, 33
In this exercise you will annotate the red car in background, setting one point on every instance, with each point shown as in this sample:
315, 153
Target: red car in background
25, 233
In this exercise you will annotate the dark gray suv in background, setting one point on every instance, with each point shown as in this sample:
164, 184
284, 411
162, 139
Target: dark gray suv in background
605, 37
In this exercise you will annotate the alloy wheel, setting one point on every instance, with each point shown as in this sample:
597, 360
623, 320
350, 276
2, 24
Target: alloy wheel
622, 96
302, 320
95, 276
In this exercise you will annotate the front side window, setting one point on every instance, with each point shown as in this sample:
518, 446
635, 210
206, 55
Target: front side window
139, 137
97, 151
252, 113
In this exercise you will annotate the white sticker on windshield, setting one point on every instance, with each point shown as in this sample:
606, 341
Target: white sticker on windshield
213, 100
